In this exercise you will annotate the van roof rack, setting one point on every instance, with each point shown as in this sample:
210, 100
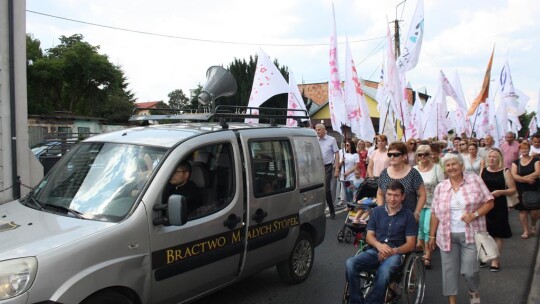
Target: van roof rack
221, 112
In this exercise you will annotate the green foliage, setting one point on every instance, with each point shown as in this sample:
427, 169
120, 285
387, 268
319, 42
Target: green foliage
74, 77
525, 120
178, 100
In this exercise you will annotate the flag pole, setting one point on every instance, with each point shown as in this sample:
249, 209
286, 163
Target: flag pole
474, 123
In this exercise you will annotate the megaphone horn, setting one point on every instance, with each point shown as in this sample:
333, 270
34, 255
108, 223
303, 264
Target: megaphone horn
219, 83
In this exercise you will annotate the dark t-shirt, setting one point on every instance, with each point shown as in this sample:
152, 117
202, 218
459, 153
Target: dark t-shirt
412, 181
392, 229
189, 190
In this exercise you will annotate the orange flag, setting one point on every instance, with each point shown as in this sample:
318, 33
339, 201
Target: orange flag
485, 88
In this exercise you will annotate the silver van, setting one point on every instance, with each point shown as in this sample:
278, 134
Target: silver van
101, 227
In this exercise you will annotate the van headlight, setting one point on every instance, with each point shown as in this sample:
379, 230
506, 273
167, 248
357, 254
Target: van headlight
16, 276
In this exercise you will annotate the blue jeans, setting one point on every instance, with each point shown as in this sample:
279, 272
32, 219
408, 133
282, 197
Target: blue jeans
367, 261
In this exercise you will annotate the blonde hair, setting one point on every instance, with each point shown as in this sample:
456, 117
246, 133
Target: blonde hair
500, 158
423, 149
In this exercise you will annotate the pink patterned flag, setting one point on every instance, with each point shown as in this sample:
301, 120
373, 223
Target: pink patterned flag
267, 82
355, 101
336, 101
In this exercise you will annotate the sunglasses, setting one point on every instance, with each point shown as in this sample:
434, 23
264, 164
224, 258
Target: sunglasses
397, 154
423, 154
463, 144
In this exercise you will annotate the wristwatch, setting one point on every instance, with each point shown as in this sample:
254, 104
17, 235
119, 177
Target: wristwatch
476, 214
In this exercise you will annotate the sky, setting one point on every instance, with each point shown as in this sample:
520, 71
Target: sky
184, 38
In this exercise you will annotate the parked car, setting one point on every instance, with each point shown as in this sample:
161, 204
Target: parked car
53, 148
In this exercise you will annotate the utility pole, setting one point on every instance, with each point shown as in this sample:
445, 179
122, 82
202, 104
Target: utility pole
396, 38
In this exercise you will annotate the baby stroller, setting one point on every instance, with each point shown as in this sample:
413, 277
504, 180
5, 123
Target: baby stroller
350, 227
362, 201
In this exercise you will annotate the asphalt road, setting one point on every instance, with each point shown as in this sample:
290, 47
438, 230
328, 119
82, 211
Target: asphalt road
325, 284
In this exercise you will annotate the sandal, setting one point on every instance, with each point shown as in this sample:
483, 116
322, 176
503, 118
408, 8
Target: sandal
525, 236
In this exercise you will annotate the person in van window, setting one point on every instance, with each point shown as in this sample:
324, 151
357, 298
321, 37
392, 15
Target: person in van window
181, 185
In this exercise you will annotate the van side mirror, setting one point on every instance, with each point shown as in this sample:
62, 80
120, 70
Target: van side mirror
177, 210
174, 213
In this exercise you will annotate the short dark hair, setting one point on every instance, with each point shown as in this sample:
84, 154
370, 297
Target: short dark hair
395, 185
184, 165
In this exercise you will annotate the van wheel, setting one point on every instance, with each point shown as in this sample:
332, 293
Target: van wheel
108, 297
297, 268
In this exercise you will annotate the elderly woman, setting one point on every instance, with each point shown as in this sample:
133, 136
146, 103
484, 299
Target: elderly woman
459, 206
378, 160
526, 171
501, 183
473, 163
411, 151
432, 174
410, 178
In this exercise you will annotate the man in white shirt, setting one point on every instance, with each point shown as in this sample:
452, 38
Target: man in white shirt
330, 155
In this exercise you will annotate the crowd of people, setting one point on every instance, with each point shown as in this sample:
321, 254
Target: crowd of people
452, 189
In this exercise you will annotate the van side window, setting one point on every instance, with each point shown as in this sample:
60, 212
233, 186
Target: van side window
272, 167
212, 173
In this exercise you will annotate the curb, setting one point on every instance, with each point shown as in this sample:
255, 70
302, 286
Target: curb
534, 289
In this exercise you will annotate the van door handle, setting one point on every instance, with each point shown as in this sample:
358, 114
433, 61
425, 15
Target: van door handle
232, 221
259, 215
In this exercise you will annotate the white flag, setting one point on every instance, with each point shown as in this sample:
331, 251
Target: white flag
533, 127
295, 101
267, 82
508, 93
355, 101
456, 84
392, 83
336, 101
416, 119
413, 44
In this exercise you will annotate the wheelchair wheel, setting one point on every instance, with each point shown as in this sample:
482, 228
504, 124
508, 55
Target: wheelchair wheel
365, 282
340, 235
348, 236
413, 280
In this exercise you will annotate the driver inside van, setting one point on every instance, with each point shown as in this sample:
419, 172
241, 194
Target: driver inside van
181, 185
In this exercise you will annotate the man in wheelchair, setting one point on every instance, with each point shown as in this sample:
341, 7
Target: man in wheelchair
391, 232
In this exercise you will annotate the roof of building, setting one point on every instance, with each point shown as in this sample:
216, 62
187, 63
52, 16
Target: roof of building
147, 104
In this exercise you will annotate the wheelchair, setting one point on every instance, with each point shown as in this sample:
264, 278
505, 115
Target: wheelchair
406, 287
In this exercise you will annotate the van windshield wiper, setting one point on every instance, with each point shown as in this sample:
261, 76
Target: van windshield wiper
76, 213
35, 201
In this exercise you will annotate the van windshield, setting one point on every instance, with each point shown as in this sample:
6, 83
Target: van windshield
99, 181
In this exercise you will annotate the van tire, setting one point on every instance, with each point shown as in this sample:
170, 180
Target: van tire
108, 297
297, 267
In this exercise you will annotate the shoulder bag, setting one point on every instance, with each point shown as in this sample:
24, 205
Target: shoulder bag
486, 246
530, 199
511, 199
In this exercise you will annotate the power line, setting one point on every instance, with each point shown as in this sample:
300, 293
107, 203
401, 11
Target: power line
190, 38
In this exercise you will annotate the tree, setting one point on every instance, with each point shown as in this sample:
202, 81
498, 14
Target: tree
74, 77
178, 100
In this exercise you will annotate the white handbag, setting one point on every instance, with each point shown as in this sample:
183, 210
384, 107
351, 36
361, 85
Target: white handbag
486, 247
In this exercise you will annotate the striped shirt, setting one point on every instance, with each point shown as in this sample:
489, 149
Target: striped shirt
475, 194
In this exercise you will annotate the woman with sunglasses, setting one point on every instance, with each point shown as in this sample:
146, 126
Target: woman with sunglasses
378, 159
432, 174
410, 178
411, 151
501, 183
462, 148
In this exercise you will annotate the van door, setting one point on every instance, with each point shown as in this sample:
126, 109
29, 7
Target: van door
272, 212
204, 253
